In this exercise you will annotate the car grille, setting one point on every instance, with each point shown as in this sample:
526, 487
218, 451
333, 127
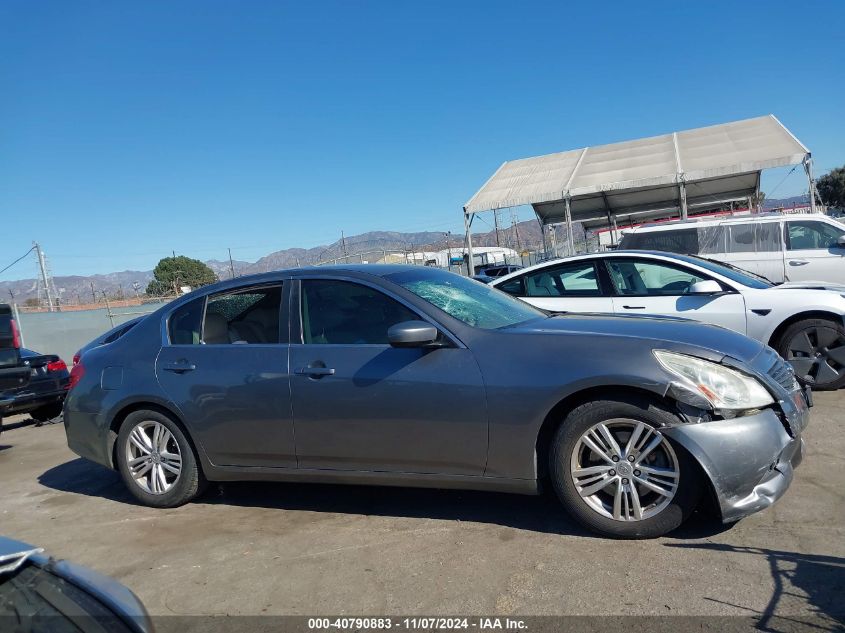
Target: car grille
782, 373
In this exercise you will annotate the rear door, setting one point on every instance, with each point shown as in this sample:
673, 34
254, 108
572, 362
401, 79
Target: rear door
756, 247
812, 251
652, 286
225, 365
568, 287
360, 404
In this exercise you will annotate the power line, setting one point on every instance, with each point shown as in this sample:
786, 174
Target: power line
17, 260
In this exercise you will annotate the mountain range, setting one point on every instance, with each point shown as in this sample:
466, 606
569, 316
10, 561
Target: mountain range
80, 289
77, 289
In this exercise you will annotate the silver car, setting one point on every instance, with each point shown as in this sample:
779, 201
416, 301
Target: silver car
396, 375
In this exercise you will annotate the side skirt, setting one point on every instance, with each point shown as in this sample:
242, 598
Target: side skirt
373, 478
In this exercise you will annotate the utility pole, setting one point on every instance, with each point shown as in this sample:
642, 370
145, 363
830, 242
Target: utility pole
468, 238
231, 264
448, 249
343, 243
40, 254
516, 231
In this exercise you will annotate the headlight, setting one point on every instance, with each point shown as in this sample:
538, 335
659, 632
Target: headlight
723, 387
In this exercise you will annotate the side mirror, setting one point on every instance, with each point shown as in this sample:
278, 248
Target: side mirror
706, 287
412, 334
840, 241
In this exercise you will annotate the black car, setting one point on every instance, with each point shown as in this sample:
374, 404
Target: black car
44, 396
12, 374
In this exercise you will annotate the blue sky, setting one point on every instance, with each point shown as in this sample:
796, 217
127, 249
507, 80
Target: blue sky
128, 130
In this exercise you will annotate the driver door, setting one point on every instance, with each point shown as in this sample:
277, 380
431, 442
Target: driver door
361, 405
645, 286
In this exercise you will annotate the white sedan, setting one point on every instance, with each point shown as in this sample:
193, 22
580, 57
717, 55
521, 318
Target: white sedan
803, 321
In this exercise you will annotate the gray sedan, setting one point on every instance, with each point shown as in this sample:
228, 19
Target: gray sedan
395, 375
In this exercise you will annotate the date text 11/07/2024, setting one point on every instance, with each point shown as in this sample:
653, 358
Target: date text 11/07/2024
417, 623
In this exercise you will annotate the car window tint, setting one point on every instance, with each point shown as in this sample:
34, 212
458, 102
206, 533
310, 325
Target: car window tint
347, 313
185, 323
741, 238
645, 278
673, 240
753, 237
578, 279
811, 234
249, 316
513, 287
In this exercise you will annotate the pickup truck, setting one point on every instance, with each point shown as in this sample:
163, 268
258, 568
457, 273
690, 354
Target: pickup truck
13, 374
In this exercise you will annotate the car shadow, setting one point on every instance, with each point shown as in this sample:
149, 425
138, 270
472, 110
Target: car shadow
83, 477
820, 578
541, 513
16, 425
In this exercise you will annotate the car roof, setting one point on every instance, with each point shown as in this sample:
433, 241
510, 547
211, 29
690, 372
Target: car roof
687, 259
354, 270
741, 219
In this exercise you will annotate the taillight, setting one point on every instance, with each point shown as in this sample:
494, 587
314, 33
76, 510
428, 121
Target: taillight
76, 357
76, 375
16, 335
57, 365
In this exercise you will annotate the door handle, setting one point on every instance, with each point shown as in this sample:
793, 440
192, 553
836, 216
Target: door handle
179, 368
314, 372
634, 307
798, 262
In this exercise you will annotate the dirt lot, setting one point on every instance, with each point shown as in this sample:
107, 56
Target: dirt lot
307, 549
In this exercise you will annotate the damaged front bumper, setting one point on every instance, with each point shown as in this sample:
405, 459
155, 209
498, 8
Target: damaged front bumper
748, 459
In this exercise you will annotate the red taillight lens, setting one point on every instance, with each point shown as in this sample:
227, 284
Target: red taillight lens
16, 335
76, 358
57, 365
76, 375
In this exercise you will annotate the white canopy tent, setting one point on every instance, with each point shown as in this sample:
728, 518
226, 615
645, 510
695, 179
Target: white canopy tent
660, 176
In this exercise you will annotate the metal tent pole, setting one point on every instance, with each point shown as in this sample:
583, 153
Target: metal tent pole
568, 202
808, 167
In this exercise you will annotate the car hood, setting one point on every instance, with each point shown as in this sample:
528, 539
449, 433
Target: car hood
676, 334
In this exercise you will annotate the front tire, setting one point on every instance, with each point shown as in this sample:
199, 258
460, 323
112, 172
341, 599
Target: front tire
617, 474
816, 350
156, 461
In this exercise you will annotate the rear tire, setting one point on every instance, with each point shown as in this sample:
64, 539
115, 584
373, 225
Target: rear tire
609, 493
156, 460
47, 412
816, 350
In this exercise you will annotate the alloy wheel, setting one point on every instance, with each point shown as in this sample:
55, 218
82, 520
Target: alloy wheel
625, 469
817, 354
153, 457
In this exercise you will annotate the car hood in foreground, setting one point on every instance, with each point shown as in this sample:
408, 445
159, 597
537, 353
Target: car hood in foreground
718, 341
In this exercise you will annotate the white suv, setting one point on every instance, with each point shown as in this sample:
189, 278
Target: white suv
799, 247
